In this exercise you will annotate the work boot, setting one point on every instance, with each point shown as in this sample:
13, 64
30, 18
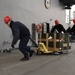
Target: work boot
24, 58
31, 53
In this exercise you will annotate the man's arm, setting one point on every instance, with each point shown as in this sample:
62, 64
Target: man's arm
16, 34
63, 29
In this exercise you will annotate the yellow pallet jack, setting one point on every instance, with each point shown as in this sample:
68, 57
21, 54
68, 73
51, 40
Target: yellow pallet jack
44, 48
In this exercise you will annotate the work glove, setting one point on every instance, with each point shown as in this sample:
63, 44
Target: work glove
12, 45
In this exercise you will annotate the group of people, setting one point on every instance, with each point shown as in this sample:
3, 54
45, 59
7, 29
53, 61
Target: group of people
59, 28
22, 33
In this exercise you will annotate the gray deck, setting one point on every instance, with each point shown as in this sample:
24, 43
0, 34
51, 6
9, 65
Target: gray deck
63, 64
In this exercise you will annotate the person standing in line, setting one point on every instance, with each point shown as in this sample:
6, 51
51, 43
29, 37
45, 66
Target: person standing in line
22, 33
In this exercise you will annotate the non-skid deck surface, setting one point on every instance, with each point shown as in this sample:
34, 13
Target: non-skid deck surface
63, 64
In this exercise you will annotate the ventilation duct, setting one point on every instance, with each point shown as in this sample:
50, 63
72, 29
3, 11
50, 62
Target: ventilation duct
67, 3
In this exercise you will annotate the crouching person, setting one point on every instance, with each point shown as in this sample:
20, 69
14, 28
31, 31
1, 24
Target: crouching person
22, 33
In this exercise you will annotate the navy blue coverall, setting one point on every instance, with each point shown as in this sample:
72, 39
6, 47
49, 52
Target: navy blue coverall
59, 28
20, 31
72, 31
